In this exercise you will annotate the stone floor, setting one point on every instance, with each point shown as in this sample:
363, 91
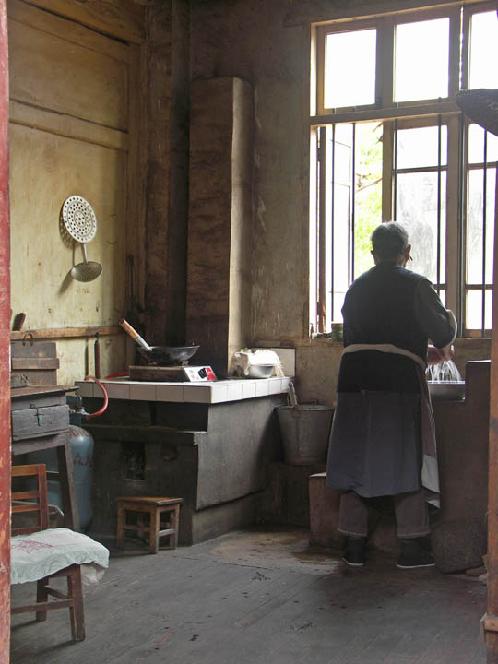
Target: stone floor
261, 597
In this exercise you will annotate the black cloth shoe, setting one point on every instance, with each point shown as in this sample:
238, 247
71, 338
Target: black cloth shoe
415, 553
354, 551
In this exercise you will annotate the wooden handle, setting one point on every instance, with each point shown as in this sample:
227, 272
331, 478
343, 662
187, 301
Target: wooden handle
96, 356
19, 321
129, 329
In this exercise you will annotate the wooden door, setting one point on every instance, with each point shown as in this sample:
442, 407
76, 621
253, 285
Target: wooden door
4, 351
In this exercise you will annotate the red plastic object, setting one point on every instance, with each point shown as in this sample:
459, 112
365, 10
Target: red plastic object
105, 405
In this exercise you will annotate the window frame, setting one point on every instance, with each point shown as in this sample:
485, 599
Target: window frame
407, 114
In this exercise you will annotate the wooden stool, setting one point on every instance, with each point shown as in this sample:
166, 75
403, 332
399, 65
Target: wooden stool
154, 507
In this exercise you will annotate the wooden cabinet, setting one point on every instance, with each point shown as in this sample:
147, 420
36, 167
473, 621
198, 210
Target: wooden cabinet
38, 411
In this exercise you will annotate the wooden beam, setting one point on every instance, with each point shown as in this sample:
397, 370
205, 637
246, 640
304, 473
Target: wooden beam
121, 19
68, 126
68, 332
401, 111
316, 11
67, 30
492, 564
158, 218
4, 348
167, 123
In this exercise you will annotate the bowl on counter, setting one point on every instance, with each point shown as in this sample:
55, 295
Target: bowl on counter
448, 390
260, 371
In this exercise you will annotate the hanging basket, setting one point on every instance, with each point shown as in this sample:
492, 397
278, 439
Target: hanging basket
480, 106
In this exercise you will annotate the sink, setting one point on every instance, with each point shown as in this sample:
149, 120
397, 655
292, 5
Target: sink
449, 390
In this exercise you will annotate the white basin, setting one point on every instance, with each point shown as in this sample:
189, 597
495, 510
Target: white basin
449, 390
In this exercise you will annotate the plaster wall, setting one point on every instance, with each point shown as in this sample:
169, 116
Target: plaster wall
68, 135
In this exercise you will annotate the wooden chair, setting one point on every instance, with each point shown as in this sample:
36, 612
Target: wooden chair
155, 508
53, 545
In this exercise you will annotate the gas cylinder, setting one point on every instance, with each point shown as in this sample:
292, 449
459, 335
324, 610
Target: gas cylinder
81, 445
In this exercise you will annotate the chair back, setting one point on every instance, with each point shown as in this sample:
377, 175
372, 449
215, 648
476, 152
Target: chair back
31, 501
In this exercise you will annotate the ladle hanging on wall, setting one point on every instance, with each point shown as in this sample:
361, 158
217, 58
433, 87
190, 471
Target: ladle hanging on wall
80, 223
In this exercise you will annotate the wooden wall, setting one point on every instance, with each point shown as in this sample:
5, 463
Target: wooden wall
71, 100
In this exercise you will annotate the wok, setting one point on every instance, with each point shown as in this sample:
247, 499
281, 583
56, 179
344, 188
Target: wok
168, 355
160, 355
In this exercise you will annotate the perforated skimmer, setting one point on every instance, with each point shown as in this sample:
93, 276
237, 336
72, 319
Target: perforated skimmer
80, 223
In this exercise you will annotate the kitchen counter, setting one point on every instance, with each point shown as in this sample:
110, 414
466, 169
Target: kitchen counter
221, 391
209, 443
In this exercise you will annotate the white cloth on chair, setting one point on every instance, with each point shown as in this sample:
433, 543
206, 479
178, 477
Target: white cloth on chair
48, 551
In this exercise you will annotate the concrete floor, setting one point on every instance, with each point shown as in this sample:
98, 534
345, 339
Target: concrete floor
258, 597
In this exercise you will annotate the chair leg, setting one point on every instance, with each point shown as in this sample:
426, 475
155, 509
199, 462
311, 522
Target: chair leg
120, 527
41, 596
154, 528
76, 610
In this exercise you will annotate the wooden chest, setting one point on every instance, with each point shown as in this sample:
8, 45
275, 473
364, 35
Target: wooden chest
38, 411
34, 362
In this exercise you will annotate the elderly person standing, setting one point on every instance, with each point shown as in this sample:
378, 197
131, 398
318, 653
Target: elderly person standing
382, 439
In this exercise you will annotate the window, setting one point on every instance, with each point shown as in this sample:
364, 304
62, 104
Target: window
388, 141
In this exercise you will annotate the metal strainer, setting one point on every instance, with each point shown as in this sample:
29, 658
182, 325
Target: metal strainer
80, 223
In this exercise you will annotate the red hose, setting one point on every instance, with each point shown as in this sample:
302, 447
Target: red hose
105, 405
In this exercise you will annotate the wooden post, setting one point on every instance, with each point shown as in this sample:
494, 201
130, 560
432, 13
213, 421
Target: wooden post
167, 90
490, 621
4, 349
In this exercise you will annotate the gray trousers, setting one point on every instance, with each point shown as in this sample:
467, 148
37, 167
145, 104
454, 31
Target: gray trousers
412, 516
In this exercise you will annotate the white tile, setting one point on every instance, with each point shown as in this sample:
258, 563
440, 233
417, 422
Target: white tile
169, 392
262, 387
143, 391
199, 393
248, 389
234, 390
219, 392
274, 386
117, 390
287, 359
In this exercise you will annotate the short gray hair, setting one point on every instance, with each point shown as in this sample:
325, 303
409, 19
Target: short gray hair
389, 240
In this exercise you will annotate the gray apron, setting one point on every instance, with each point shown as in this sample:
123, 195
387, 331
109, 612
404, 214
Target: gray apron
383, 443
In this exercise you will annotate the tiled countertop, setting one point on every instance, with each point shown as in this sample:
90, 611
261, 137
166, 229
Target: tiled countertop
220, 391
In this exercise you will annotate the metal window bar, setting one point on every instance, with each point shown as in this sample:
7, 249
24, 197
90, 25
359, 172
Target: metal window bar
332, 227
317, 236
395, 174
353, 191
321, 234
438, 241
461, 223
484, 206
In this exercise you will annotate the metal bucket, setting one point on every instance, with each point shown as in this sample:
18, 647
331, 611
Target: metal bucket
305, 433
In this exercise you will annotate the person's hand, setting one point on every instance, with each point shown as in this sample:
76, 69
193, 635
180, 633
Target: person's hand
448, 352
436, 355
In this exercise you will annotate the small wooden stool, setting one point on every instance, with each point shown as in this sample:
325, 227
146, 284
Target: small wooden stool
154, 507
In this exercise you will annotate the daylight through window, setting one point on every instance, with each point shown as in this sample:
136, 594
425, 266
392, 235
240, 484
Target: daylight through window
389, 142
